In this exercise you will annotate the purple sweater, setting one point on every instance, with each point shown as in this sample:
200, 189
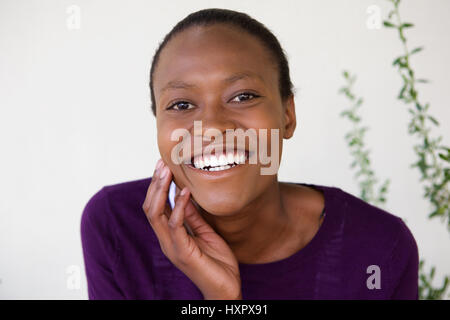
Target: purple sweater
359, 252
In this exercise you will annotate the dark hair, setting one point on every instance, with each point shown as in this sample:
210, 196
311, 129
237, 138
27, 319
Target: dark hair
241, 20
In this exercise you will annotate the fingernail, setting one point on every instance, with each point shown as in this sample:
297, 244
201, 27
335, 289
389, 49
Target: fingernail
184, 191
164, 172
158, 164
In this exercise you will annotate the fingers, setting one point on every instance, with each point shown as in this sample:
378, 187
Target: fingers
169, 225
177, 231
155, 202
195, 220
158, 189
146, 203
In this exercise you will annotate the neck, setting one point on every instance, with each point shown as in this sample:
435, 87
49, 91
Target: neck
256, 228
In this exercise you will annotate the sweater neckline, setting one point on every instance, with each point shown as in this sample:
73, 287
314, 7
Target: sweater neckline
312, 247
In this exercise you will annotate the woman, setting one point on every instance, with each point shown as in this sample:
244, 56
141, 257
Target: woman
231, 231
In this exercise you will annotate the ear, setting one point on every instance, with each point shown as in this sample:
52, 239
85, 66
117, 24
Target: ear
290, 121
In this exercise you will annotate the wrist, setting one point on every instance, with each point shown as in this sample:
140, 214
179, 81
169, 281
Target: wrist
223, 296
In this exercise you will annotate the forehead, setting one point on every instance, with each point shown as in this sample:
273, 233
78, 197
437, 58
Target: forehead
208, 54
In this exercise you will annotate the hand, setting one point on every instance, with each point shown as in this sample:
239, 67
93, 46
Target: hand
204, 256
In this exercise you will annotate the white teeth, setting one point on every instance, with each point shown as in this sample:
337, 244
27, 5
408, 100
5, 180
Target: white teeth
200, 163
239, 157
220, 168
223, 160
236, 158
219, 162
206, 161
242, 158
197, 162
213, 161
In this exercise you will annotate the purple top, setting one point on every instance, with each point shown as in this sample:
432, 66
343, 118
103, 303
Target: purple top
359, 252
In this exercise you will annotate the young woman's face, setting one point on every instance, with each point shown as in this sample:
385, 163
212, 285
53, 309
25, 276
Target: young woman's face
204, 57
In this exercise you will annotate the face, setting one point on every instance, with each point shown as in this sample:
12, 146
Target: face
226, 79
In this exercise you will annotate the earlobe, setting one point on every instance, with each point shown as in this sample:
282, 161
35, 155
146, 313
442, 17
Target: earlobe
290, 122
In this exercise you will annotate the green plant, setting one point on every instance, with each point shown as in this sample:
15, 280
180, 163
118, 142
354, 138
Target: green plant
433, 158
355, 139
426, 289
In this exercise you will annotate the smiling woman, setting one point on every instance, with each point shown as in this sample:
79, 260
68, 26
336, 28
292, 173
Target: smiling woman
233, 232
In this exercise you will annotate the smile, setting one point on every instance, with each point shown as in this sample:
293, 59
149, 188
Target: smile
220, 162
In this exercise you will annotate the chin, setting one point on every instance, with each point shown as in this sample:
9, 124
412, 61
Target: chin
223, 205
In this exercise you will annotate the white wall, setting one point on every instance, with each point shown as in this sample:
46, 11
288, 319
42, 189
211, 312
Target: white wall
75, 114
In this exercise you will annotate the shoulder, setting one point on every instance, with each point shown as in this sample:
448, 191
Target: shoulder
114, 205
375, 237
369, 224
113, 195
127, 190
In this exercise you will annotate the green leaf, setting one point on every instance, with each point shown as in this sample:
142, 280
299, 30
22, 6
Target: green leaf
398, 60
418, 49
407, 25
433, 120
401, 94
433, 270
444, 157
387, 24
359, 102
447, 172
413, 93
433, 214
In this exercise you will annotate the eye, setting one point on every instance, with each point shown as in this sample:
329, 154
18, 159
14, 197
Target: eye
244, 96
180, 106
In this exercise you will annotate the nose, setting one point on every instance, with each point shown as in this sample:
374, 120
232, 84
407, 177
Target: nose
214, 119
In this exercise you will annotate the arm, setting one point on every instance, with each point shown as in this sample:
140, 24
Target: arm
405, 266
98, 243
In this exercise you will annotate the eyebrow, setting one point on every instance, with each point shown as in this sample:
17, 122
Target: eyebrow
179, 84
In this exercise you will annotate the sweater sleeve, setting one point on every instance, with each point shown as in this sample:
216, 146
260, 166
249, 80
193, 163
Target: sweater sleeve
98, 244
404, 265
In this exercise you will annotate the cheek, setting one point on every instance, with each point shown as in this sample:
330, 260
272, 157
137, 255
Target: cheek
272, 121
265, 116
165, 144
